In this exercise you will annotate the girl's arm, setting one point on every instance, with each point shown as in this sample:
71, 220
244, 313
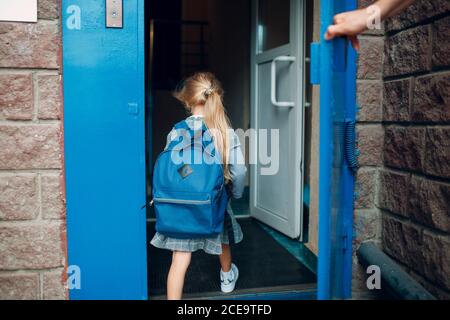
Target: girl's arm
352, 23
236, 165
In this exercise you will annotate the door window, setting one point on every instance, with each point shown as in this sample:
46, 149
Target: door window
273, 24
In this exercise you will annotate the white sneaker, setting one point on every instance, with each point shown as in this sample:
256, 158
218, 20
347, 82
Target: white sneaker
228, 279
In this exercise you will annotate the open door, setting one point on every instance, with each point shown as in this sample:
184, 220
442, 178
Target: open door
333, 66
104, 148
277, 106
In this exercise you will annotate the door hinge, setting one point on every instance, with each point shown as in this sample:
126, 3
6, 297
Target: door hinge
315, 63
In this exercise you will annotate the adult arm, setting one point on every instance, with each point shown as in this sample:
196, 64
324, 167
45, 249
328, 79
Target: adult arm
352, 23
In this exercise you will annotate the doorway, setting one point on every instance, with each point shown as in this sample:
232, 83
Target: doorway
248, 46
105, 151
201, 39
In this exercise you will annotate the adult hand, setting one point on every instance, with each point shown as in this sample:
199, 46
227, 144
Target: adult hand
349, 24
352, 23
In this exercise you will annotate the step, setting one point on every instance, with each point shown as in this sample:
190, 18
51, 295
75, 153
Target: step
292, 292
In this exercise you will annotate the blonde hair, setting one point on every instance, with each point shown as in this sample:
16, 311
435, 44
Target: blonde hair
204, 89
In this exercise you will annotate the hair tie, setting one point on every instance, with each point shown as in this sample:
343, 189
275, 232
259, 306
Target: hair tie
208, 92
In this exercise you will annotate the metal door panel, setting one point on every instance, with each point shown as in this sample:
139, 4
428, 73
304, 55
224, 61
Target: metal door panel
104, 149
275, 199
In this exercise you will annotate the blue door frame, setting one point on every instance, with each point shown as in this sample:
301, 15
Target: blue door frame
334, 68
104, 124
104, 132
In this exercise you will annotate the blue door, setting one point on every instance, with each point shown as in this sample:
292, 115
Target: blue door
334, 68
104, 147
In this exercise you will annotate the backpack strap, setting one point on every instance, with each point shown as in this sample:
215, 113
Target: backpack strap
182, 126
183, 129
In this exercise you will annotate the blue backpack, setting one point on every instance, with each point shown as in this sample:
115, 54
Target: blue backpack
189, 196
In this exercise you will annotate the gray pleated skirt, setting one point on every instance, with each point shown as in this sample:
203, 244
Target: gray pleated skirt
209, 245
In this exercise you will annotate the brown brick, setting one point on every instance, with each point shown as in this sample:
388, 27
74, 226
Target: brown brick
30, 146
365, 3
367, 225
19, 286
418, 12
376, 31
369, 101
394, 192
370, 143
413, 236
31, 246
370, 58
404, 147
436, 258
431, 98
429, 203
403, 241
392, 237
53, 285
52, 199
49, 97
365, 188
48, 9
396, 100
426, 253
16, 96
441, 45
437, 156
408, 52
18, 197
26, 45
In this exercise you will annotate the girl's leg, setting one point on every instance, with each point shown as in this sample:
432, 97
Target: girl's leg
177, 272
229, 273
225, 258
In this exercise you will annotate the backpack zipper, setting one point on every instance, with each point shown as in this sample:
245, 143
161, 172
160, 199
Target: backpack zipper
180, 201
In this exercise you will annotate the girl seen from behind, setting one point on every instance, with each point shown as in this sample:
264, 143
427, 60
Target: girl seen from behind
202, 96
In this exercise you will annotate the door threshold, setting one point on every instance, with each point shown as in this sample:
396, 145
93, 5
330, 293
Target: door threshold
288, 292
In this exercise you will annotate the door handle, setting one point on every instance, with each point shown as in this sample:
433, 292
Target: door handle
273, 83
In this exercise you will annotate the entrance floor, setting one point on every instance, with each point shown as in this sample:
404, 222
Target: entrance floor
266, 266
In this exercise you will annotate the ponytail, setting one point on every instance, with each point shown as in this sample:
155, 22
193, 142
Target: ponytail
204, 89
217, 120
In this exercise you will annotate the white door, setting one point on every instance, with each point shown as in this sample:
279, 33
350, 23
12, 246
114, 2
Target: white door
276, 189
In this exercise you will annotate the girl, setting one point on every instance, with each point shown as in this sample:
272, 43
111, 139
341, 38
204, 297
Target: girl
202, 96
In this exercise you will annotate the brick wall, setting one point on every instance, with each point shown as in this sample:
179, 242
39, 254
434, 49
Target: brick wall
404, 138
370, 133
415, 180
32, 209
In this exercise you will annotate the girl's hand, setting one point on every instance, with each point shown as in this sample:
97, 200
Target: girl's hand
349, 24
